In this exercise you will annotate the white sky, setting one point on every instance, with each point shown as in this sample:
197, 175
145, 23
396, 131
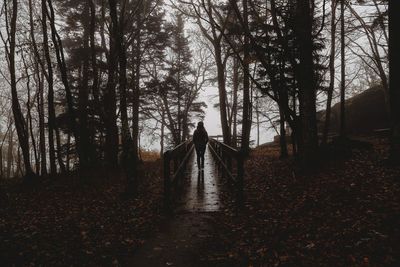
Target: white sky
212, 121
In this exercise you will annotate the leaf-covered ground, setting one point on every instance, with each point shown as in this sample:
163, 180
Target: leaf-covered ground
347, 213
67, 221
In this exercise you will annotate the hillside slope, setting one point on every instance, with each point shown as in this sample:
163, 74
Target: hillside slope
365, 112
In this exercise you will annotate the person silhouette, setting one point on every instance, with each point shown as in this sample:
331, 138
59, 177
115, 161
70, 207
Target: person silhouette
200, 140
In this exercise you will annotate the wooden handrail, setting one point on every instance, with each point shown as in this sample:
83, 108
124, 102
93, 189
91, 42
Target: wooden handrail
182, 165
230, 150
179, 156
224, 154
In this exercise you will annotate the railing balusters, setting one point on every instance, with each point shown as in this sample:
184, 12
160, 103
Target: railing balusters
179, 156
224, 155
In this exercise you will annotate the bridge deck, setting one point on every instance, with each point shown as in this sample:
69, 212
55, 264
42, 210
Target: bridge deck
202, 190
182, 240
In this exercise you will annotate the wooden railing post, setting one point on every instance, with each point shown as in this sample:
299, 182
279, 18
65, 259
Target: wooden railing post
224, 156
167, 180
179, 156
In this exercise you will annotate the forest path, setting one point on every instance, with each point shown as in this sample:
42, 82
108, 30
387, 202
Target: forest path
188, 235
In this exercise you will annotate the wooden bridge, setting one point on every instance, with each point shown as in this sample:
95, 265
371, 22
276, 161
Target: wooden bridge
194, 196
222, 161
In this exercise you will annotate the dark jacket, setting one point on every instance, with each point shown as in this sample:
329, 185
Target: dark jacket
200, 138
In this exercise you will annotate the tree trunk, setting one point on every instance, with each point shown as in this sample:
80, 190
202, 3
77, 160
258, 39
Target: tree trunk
394, 86
162, 133
22, 131
235, 100
10, 152
246, 122
136, 93
84, 150
118, 32
331, 74
50, 94
179, 115
19, 172
40, 74
68, 151
222, 94
282, 136
343, 73
110, 107
58, 151
1, 167
35, 152
292, 134
308, 149
257, 110
63, 71
42, 137
283, 103
29, 113
95, 85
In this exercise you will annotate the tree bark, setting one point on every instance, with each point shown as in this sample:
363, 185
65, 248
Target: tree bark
235, 101
29, 114
110, 107
343, 73
136, 92
43, 157
292, 134
282, 136
10, 152
222, 94
22, 131
246, 122
63, 71
162, 133
68, 152
331, 74
118, 32
42, 136
394, 66
50, 94
308, 149
40, 76
95, 85
84, 148
58, 151
257, 111
216, 41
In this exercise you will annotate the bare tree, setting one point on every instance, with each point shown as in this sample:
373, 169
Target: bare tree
374, 33
246, 125
307, 83
209, 19
10, 45
342, 71
331, 72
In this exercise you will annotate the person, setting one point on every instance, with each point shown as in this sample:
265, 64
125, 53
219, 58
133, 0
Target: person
200, 140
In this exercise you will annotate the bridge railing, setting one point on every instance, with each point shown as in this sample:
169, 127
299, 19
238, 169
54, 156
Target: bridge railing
231, 161
235, 143
178, 158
